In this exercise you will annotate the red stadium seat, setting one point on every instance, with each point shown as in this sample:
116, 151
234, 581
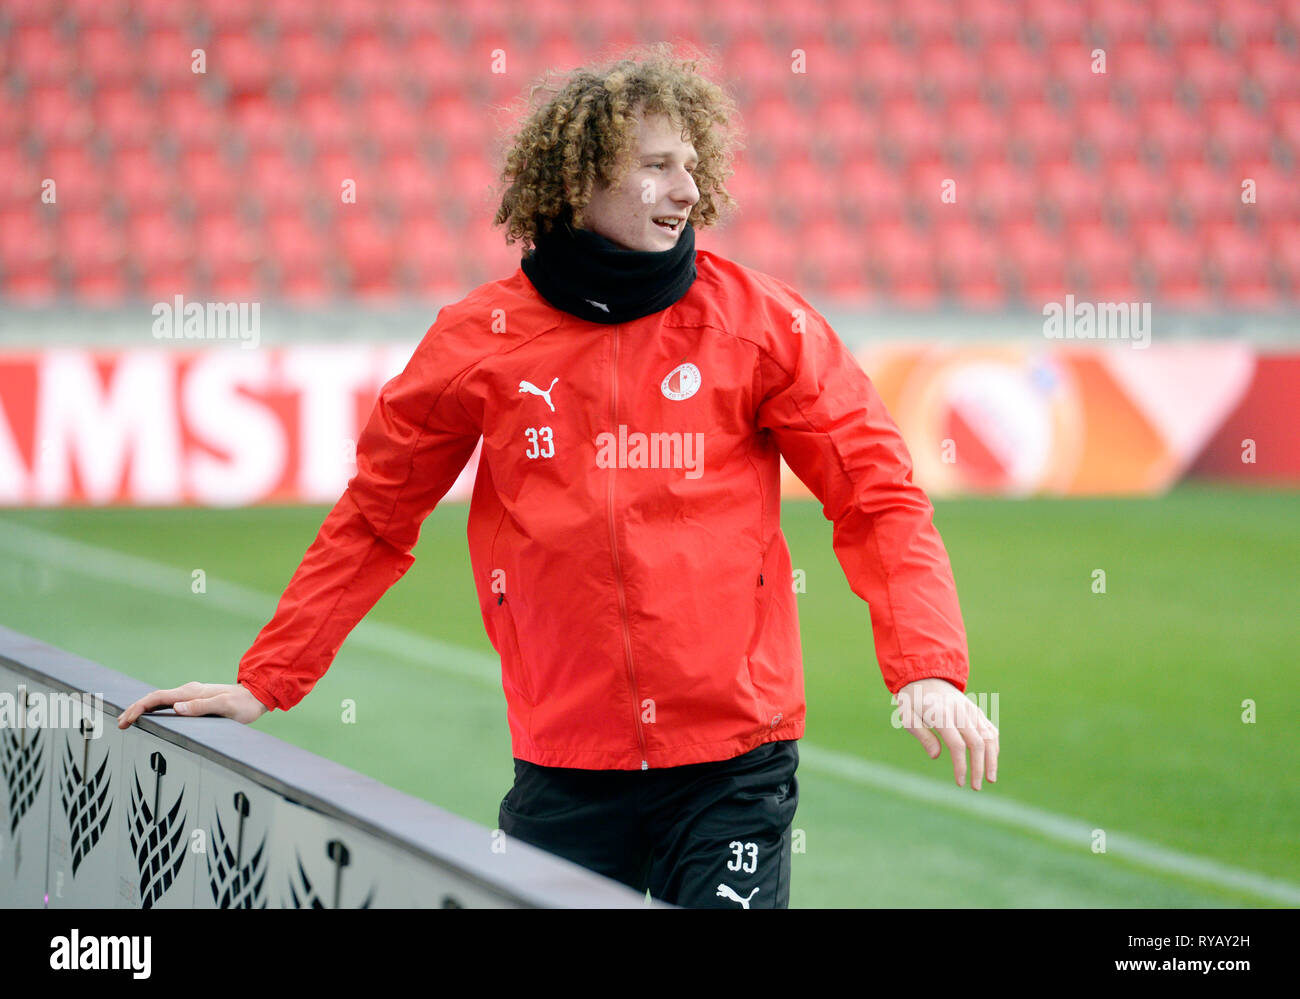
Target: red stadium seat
904, 257
26, 237
321, 120
91, 13
290, 16
40, 54
859, 22
369, 62
975, 130
279, 182
1277, 195
91, 244
1243, 266
969, 260
125, 116
456, 126
162, 252
205, 177
101, 47
1017, 72
260, 121
1204, 192
411, 182
1106, 258
843, 129
1058, 20
1171, 131
911, 131
1144, 72
167, 58
23, 178
307, 60
1286, 114
991, 20
156, 14
1284, 246
58, 115
1237, 132
1039, 258
387, 119
1273, 70
1139, 192
999, 189
1042, 131
1070, 64
872, 191
1119, 21
190, 119
887, 71
143, 178
1184, 22
925, 20
351, 17
838, 263
951, 69
806, 189
757, 68
1173, 262
233, 16
78, 176
224, 241
1108, 128
242, 60
1244, 22
1211, 72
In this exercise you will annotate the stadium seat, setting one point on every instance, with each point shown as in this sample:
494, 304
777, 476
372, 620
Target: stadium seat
1118, 21
989, 21
1136, 191
80, 179
1038, 258
1015, 71
1211, 72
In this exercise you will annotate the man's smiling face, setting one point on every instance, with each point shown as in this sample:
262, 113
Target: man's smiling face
658, 186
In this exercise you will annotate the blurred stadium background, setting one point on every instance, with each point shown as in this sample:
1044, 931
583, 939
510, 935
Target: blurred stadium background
929, 174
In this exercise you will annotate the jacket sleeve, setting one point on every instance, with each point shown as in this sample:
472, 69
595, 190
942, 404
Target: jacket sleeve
834, 432
415, 443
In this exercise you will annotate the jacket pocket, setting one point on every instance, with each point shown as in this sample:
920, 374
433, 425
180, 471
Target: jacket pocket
763, 589
515, 670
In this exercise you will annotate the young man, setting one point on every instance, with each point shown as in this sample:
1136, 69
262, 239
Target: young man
634, 397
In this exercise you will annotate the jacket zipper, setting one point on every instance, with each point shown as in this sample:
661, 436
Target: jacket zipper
618, 572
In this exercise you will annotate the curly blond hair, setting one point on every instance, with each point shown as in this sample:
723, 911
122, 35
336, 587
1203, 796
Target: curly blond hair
582, 133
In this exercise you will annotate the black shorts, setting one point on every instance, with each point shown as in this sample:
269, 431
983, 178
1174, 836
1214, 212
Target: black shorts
704, 835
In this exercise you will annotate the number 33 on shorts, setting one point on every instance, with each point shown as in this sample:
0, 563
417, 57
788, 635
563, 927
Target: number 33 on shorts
746, 857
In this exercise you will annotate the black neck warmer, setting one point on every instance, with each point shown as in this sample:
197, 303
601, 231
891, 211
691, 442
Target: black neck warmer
587, 275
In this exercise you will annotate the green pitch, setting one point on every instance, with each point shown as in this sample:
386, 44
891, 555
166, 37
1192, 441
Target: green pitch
1121, 711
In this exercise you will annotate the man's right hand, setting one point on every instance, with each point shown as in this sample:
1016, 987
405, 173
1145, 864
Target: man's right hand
229, 700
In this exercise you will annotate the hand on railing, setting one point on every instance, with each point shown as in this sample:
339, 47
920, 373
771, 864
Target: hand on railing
229, 700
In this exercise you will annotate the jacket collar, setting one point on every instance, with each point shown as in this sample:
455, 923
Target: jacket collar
587, 275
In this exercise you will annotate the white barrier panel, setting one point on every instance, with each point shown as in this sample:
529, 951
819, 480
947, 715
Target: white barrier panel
187, 813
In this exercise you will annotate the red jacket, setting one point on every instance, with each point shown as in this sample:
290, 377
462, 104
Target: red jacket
624, 529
